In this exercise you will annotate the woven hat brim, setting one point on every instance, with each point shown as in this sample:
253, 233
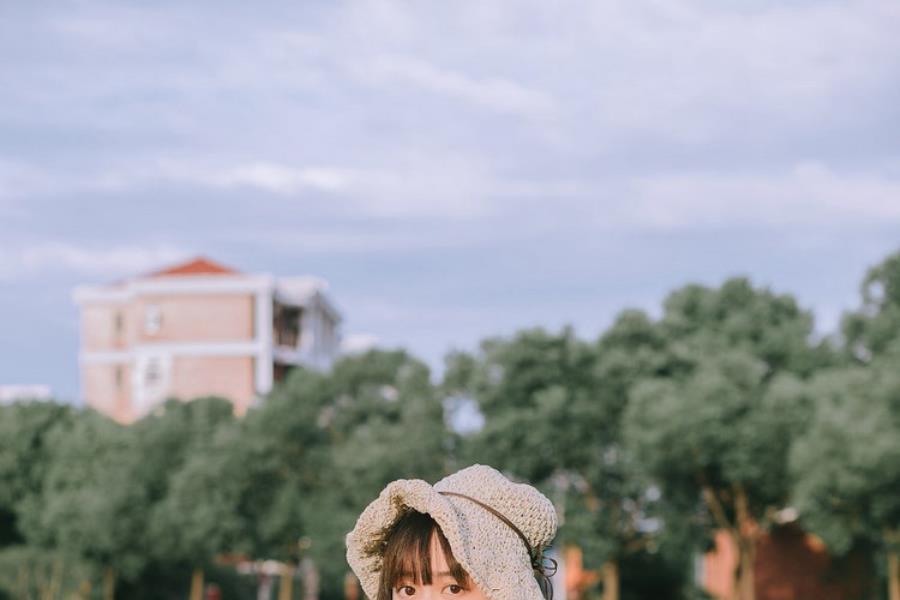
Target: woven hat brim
490, 552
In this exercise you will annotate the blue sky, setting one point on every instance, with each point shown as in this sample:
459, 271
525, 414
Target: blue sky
454, 170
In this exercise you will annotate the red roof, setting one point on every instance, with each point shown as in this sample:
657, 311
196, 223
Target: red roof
196, 266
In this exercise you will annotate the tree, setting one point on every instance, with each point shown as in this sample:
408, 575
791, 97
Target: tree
190, 518
874, 328
89, 506
866, 399
200, 516
333, 440
847, 464
25, 428
552, 408
721, 429
27, 431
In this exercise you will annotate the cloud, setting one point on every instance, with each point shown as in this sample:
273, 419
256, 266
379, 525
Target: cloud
342, 241
268, 176
358, 342
495, 93
413, 185
86, 260
808, 194
18, 180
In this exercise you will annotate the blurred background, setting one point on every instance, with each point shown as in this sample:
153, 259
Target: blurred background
258, 260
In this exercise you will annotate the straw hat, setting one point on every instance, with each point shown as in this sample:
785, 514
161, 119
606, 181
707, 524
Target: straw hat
497, 529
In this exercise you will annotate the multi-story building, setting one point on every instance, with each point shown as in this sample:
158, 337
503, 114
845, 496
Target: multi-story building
197, 329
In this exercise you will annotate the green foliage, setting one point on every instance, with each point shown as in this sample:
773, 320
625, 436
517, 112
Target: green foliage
718, 423
331, 442
189, 518
198, 517
770, 327
725, 396
847, 463
25, 456
552, 407
722, 426
527, 388
28, 572
90, 506
874, 328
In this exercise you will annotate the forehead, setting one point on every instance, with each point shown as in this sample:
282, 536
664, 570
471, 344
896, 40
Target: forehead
438, 560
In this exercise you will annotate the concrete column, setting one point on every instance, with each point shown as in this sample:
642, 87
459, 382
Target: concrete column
263, 340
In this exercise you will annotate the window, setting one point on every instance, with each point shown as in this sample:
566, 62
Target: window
152, 372
152, 319
151, 381
286, 325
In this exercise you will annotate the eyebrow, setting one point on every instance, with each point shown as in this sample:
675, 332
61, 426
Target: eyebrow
441, 574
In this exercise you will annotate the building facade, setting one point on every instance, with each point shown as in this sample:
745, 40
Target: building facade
198, 329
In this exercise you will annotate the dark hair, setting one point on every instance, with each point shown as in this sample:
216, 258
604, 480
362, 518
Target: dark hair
407, 553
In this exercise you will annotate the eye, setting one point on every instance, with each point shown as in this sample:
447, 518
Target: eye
406, 590
456, 589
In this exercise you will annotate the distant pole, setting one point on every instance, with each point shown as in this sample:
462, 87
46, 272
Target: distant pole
286, 589
264, 591
197, 585
310, 579
109, 584
893, 575
22, 583
84, 590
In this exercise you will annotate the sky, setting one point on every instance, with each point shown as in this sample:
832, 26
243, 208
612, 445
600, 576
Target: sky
455, 170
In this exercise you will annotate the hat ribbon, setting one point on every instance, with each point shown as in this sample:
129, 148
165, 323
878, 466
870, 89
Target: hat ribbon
542, 571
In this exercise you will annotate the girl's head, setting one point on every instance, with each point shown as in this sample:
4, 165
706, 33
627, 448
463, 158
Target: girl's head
417, 562
473, 535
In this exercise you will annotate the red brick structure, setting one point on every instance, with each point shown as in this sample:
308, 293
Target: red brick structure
790, 565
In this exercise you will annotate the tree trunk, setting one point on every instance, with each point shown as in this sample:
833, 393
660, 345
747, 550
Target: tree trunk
893, 575
611, 580
42, 583
22, 583
55, 583
745, 582
746, 534
109, 584
286, 588
197, 585
84, 590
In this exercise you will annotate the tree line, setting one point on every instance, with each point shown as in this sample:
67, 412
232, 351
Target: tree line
725, 413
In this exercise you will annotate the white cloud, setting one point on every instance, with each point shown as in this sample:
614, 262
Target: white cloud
341, 241
496, 93
118, 31
21, 180
406, 186
273, 177
88, 260
808, 194
267, 176
18, 179
358, 342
